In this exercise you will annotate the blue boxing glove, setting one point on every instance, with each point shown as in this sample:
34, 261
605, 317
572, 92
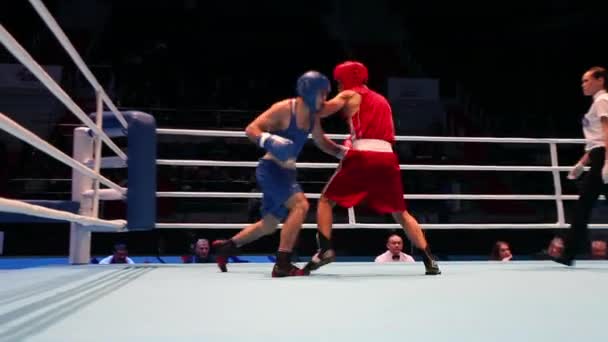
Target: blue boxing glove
281, 148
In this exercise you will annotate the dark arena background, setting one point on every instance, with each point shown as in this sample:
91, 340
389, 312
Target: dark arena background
448, 69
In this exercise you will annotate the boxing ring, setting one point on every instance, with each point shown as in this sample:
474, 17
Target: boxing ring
470, 301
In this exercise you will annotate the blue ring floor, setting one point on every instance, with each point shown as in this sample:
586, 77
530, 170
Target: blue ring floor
470, 301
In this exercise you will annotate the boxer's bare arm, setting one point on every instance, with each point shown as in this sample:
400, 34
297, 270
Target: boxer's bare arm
338, 103
274, 118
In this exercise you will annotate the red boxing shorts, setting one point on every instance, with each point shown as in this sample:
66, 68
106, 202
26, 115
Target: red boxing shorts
367, 175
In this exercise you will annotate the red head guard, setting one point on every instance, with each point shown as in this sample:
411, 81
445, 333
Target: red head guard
350, 74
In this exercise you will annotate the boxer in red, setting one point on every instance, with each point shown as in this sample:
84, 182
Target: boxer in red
370, 169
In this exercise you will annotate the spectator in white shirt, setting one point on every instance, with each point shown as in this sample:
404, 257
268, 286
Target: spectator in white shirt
120, 256
394, 252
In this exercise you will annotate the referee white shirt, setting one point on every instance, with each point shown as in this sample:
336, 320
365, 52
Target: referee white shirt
389, 257
592, 121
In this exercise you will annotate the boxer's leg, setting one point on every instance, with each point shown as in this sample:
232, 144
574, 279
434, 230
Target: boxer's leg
298, 208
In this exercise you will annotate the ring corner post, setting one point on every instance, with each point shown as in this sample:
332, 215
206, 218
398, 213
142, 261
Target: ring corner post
80, 239
141, 189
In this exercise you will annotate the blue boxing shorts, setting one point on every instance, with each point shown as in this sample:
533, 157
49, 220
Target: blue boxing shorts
278, 185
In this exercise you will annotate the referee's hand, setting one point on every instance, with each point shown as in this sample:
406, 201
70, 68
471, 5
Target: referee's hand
605, 173
577, 170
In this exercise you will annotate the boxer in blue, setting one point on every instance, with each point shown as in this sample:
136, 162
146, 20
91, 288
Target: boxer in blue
282, 130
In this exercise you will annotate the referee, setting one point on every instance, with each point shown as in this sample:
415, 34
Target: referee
595, 129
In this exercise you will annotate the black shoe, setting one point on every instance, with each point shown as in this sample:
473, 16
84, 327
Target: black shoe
290, 270
431, 266
320, 259
430, 262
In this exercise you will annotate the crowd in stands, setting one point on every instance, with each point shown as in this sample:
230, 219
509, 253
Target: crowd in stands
200, 252
596, 250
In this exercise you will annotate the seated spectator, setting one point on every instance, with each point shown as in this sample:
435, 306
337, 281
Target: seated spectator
554, 250
501, 252
120, 256
556, 247
200, 253
599, 250
394, 252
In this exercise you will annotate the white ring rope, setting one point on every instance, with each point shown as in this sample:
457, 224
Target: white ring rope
113, 195
69, 48
479, 226
19, 207
24, 57
107, 194
554, 168
225, 163
241, 134
22, 133
87, 223
190, 194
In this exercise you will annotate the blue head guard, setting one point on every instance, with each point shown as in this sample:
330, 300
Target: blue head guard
309, 84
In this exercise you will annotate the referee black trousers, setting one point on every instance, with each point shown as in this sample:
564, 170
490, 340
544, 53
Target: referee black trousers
577, 240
